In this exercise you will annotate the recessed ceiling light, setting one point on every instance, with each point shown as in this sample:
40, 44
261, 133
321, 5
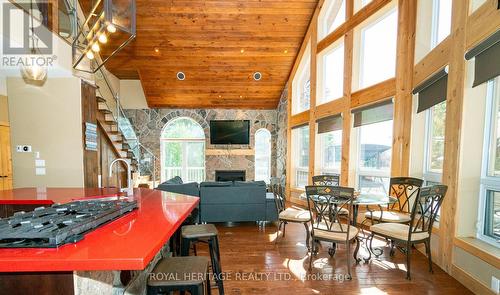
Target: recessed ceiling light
257, 76
181, 76
220, 96
285, 51
242, 50
241, 96
157, 49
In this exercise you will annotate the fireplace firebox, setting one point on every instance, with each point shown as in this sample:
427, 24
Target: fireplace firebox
229, 175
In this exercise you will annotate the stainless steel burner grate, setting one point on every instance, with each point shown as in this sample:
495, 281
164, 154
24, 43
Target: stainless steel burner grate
59, 224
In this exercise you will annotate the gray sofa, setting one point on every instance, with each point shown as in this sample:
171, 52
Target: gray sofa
227, 201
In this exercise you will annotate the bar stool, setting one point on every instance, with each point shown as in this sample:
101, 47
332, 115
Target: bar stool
180, 274
206, 233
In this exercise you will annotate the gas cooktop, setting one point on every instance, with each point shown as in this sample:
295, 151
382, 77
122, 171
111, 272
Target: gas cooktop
50, 227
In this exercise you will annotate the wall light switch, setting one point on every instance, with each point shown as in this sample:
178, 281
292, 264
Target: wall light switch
40, 171
39, 163
495, 285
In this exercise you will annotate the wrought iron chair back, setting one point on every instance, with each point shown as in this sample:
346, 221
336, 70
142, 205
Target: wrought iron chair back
333, 179
279, 196
404, 189
325, 203
426, 208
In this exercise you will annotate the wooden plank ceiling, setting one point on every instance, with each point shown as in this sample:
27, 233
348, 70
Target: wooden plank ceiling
218, 44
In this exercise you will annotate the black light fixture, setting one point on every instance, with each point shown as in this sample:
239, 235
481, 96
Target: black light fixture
111, 25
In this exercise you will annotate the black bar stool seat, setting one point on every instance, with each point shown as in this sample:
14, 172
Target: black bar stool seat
204, 233
188, 273
198, 231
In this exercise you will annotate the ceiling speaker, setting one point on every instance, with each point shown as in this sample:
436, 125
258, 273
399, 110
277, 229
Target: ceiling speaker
181, 76
257, 76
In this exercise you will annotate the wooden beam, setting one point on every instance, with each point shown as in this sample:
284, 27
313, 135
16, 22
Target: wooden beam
482, 23
435, 60
454, 109
288, 166
346, 103
299, 119
360, 16
374, 93
330, 108
312, 113
407, 14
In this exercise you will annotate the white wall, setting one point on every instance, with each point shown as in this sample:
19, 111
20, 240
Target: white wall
132, 95
49, 119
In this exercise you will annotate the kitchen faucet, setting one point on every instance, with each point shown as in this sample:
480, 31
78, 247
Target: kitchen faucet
130, 189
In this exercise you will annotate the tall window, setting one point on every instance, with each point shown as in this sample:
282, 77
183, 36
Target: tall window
441, 21
301, 85
434, 154
332, 15
300, 154
378, 50
329, 155
489, 210
331, 73
263, 155
183, 150
374, 147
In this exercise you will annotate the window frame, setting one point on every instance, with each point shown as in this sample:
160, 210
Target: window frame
322, 98
303, 72
296, 147
268, 156
184, 143
436, 9
319, 159
323, 17
369, 172
362, 41
488, 182
430, 174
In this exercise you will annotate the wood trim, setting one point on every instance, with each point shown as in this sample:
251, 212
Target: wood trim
435, 60
360, 16
469, 281
407, 16
288, 166
299, 119
346, 103
374, 93
479, 249
313, 89
330, 108
5, 123
482, 23
454, 110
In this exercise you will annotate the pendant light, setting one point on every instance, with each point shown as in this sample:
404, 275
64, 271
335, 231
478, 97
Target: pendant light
32, 70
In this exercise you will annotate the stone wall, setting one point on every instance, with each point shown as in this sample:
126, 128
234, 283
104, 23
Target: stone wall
281, 138
148, 125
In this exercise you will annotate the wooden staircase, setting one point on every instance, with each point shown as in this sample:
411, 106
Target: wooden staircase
109, 125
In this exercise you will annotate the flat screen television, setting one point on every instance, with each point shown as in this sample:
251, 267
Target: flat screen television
230, 132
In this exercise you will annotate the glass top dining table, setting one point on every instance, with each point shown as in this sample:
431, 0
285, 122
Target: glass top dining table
369, 199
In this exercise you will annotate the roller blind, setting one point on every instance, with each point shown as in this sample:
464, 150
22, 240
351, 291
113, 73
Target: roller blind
487, 54
329, 124
375, 113
432, 91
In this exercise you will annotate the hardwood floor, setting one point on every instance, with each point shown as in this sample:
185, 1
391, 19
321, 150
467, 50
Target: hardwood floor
249, 254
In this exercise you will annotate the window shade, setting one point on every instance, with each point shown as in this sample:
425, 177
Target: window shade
487, 54
432, 91
374, 113
329, 124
